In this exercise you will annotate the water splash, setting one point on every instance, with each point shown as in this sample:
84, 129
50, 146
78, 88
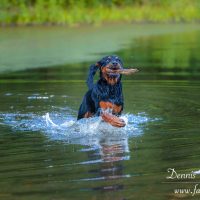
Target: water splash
104, 146
63, 126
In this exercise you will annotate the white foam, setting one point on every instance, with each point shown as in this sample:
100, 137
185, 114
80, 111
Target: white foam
48, 120
62, 125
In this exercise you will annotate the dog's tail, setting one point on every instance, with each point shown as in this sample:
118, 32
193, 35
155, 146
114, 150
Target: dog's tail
92, 72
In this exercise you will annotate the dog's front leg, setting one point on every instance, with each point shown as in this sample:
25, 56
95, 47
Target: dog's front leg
112, 119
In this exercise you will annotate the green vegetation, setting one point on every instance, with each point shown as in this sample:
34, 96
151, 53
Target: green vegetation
76, 12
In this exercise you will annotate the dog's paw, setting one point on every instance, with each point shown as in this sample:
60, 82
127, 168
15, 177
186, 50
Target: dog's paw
113, 120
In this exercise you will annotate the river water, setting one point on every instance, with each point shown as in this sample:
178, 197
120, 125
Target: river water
46, 154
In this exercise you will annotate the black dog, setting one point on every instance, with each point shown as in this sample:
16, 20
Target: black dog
106, 94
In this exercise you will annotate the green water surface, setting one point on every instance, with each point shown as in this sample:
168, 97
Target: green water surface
52, 63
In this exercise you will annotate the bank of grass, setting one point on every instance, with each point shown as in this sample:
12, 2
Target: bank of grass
55, 13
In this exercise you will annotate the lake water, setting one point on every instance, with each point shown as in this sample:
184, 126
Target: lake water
45, 154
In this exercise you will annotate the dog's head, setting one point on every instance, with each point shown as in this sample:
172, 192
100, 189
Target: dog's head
108, 67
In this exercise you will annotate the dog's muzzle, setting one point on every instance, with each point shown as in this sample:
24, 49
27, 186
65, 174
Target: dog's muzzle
112, 68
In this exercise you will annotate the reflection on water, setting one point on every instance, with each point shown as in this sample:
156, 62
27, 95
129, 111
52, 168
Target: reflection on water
34, 47
111, 152
172, 56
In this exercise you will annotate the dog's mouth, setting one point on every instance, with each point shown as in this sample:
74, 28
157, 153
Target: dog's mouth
113, 70
113, 75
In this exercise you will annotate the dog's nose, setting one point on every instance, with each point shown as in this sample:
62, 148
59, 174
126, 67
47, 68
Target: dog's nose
114, 63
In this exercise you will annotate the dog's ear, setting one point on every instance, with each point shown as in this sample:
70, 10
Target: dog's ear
92, 72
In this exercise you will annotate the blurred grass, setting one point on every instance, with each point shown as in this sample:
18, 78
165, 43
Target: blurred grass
71, 12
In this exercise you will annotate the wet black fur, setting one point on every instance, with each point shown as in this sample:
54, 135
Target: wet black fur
101, 90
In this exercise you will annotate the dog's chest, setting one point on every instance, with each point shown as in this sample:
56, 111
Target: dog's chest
106, 105
112, 94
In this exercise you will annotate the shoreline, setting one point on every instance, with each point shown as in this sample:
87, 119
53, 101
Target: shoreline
49, 25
